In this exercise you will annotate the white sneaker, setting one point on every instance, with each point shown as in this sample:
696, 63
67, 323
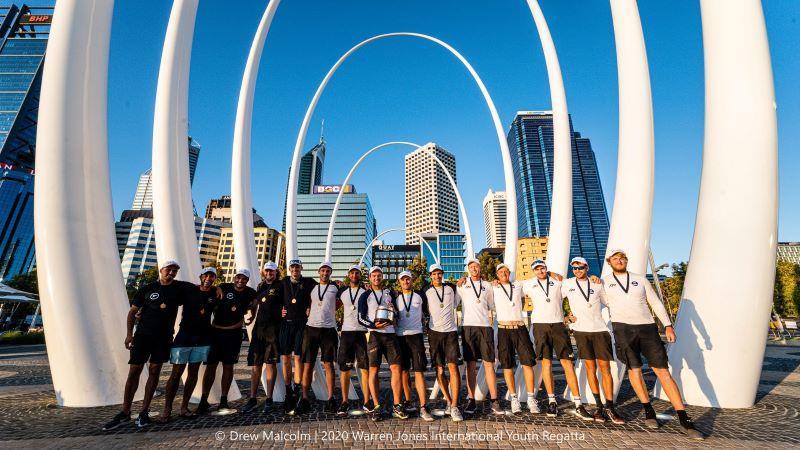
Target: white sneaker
533, 406
455, 414
515, 406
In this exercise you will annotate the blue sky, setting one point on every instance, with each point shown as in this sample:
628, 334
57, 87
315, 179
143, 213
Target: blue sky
409, 89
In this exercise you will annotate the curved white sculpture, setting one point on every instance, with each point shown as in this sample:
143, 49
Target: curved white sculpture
335, 213
721, 339
173, 214
391, 230
558, 242
73, 216
291, 201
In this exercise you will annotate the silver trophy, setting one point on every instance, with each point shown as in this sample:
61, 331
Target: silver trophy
385, 314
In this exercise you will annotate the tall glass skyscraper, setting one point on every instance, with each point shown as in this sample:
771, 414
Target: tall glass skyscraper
143, 199
530, 139
23, 41
309, 174
451, 250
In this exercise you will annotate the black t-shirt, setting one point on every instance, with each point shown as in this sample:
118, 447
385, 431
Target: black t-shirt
269, 301
231, 309
196, 316
300, 292
158, 306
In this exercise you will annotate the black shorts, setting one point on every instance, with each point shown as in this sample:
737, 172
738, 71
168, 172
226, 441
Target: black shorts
319, 339
444, 347
477, 343
153, 348
383, 345
263, 347
352, 347
290, 337
412, 350
633, 341
512, 342
225, 346
552, 337
594, 345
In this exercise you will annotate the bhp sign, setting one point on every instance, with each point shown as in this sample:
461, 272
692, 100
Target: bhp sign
36, 19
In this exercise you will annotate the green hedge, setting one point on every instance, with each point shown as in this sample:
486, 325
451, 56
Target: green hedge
20, 338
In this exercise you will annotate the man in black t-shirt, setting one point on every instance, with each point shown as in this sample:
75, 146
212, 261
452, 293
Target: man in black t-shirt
296, 306
192, 343
155, 305
226, 337
263, 351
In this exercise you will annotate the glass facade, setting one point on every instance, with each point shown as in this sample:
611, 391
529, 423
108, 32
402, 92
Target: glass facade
393, 259
354, 231
22, 50
530, 139
450, 249
309, 174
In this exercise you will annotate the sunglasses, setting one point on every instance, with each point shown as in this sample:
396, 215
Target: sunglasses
578, 267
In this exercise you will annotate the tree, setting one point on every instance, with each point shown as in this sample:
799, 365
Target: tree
672, 287
786, 298
26, 282
419, 270
148, 276
488, 266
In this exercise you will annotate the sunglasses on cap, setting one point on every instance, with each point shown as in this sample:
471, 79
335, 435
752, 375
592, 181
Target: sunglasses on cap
581, 267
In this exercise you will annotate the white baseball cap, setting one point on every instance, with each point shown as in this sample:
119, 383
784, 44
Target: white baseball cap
404, 273
614, 251
170, 262
354, 267
502, 266
434, 268
210, 270
375, 269
579, 259
245, 272
270, 265
295, 262
473, 260
327, 264
538, 263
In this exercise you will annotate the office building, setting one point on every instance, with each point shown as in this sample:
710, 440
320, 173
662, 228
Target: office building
309, 174
220, 209
431, 204
270, 246
353, 234
529, 249
494, 218
449, 248
23, 40
393, 259
789, 251
530, 139
143, 199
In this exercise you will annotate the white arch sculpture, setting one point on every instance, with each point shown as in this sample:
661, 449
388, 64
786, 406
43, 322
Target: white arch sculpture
392, 230
291, 202
173, 213
335, 213
720, 326
73, 216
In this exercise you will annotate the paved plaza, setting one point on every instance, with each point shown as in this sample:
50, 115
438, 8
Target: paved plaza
29, 418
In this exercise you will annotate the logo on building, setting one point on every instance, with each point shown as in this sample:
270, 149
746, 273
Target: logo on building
333, 188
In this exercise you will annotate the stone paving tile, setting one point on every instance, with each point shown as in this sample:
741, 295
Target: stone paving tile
30, 419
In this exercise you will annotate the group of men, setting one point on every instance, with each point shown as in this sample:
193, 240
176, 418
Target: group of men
295, 320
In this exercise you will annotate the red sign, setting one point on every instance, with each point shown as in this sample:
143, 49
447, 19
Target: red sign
36, 19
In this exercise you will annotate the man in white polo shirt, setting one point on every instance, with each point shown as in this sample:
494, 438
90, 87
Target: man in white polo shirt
411, 307
591, 337
513, 338
352, 342
477, 335
320, 335
549, 332
627, 296
442, 301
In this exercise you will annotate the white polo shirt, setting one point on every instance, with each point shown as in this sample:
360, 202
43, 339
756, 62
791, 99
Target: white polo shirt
508, 301
476, 302
631, 307
546, 298
323, 306
349, 297
584, 302
442, 304
409, 313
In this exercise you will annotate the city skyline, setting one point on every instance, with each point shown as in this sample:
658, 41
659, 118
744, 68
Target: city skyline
510, 62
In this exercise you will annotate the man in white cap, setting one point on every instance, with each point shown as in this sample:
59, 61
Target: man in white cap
320, 337
411, 307
592, 338
477, 335
352, 342
191, 344
155, 305
442, 302
226, 338
375, 306
550, 334
627, 296
512, 337
263, 352
296, 303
